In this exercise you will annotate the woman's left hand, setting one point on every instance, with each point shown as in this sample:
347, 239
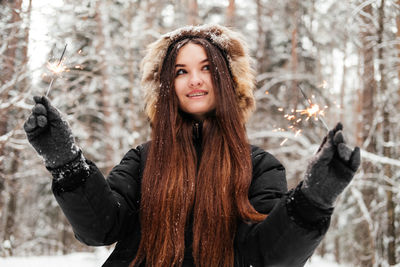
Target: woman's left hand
331, 169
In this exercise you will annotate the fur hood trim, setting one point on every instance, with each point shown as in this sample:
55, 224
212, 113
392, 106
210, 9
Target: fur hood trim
229, 41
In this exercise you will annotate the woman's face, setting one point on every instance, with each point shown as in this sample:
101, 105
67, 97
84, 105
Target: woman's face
193, 83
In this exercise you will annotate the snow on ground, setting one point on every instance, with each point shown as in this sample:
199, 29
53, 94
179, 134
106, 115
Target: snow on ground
317, 261
95, 259
78, 259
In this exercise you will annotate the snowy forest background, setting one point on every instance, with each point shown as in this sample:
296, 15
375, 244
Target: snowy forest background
345, 53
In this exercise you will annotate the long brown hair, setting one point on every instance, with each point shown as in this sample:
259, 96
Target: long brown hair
176, 184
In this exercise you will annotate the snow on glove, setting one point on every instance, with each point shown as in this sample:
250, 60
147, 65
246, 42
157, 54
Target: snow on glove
331, 169
49, 134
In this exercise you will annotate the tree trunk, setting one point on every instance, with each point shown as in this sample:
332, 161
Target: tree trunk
358, 108
337, 249
193, 17
369, 83
367, 130
262, 47
101, 49
131, 13
150, 10
398, 51
260, 39
15, 54
26, 35
293, 94
12, 190
9, 59
11, 209
8, 69
230, 14
343, 85
390, 206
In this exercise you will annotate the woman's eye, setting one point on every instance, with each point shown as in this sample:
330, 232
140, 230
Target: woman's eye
180, 72
206, 67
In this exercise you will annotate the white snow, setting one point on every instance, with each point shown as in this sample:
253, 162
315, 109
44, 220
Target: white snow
78, 259
317, 261
97, 258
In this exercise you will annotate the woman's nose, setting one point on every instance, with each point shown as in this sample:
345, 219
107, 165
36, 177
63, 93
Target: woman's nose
195, 80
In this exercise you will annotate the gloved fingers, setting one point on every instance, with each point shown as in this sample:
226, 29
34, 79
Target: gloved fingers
52, 112
327, 148
30, 124
46, 102
39, 109
327, 139
355, 159
330, 137
38, 117
37, 99
34, 126
326, 153
344, 152
351, 158
41, 114
338, 127
41, 121
338, 138
34, 122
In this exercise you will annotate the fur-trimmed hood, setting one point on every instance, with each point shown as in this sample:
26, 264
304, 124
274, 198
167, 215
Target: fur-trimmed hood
229, 41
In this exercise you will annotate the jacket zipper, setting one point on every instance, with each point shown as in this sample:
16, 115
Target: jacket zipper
196, 127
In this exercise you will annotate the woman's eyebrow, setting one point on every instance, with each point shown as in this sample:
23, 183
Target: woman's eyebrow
183, 65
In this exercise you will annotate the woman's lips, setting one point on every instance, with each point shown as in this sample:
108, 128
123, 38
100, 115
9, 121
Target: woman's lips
197, 93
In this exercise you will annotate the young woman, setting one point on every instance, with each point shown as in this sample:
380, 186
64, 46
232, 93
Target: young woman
197, 194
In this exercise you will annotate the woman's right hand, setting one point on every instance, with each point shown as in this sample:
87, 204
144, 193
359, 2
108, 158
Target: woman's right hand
49, 134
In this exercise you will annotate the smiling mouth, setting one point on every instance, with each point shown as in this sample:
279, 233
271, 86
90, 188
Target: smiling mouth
197, 94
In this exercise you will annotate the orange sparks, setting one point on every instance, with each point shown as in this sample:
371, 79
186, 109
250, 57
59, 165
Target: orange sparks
55, 67
313, 111
295, 117
290, 117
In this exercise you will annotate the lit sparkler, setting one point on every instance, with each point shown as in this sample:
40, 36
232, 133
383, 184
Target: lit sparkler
313, 110
56, 68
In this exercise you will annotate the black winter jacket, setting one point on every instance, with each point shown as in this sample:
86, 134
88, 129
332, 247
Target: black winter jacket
104, 211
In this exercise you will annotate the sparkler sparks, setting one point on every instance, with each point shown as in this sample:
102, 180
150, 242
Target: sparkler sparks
56, 68
314, 110
295, 117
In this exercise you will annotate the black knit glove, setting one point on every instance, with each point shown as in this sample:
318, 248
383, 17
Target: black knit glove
49, 134
331, 169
